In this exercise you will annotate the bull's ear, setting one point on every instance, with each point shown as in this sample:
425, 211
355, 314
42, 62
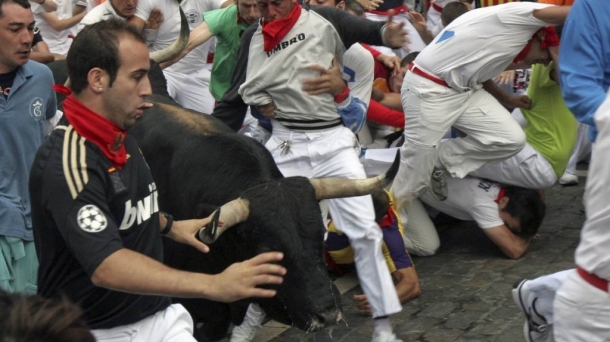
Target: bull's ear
339, 187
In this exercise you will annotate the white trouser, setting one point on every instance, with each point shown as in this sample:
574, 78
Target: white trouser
528, 169
431, 109
330, 153
582, 312
415, 41
421, 237
192, 90
582, 149
173, 324
543, 290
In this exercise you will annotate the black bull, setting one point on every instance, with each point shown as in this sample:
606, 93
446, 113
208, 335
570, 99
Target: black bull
199, 164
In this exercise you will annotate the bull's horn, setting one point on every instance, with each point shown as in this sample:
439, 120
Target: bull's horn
232, 213
341, 187
177, 46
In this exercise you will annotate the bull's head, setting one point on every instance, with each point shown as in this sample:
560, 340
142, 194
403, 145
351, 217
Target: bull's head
284, 215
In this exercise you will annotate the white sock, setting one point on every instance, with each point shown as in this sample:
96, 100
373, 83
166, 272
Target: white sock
383, 326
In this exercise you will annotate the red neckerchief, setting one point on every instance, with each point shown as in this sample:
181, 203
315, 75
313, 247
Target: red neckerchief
500, 195
551, 39
274, 31
388, 219
97, 129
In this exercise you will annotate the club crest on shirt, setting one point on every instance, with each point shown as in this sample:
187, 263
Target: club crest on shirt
193, 16
91, 219
37, 108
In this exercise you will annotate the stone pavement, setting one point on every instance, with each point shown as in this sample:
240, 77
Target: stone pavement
466, 286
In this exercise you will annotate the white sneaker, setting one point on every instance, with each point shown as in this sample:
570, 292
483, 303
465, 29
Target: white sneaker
385, 338
535, 327
246, 331
568, 179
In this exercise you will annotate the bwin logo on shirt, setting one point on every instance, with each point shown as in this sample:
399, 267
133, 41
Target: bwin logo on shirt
142, 211
298, 38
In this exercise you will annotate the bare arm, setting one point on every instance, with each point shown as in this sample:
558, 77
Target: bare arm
519, 101
407, 286
137, 22
392, 101
198, 36
554, 15
62, 24
419, 23
146, 276
513, 246
227, 3
78, 10
41, 53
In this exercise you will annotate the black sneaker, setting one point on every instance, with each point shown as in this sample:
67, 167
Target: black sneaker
438, 184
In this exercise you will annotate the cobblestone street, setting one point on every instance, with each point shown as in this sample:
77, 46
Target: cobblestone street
466, 286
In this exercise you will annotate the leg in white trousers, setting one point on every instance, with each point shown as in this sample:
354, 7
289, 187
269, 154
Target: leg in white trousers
431, 109
173, 324
581, 150
581, 312
421, 237
528, 169
331, 153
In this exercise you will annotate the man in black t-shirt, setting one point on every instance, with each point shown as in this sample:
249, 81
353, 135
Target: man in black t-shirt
94, 203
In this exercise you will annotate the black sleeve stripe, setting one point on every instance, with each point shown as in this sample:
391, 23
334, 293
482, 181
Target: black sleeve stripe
74, 161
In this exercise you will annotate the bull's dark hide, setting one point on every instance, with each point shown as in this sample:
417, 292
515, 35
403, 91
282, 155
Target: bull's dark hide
198, 164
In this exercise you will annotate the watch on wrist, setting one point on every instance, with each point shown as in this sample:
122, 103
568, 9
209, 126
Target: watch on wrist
168, 225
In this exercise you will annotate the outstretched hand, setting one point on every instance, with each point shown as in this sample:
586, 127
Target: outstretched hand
154, 20
505, 77
363, 305
241, 280
329, 81
370, 5
186, 230
417, 20
395, 34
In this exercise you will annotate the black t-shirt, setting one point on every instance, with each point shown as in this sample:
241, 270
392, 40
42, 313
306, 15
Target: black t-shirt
83, 210
6, 82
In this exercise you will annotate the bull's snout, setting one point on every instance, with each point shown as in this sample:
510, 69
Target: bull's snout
328, 318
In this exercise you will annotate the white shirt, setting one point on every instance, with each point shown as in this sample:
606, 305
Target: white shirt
480, 44
58, 41
197, 58
101, 12
358, 72
592, 252
469, 199
170, 27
